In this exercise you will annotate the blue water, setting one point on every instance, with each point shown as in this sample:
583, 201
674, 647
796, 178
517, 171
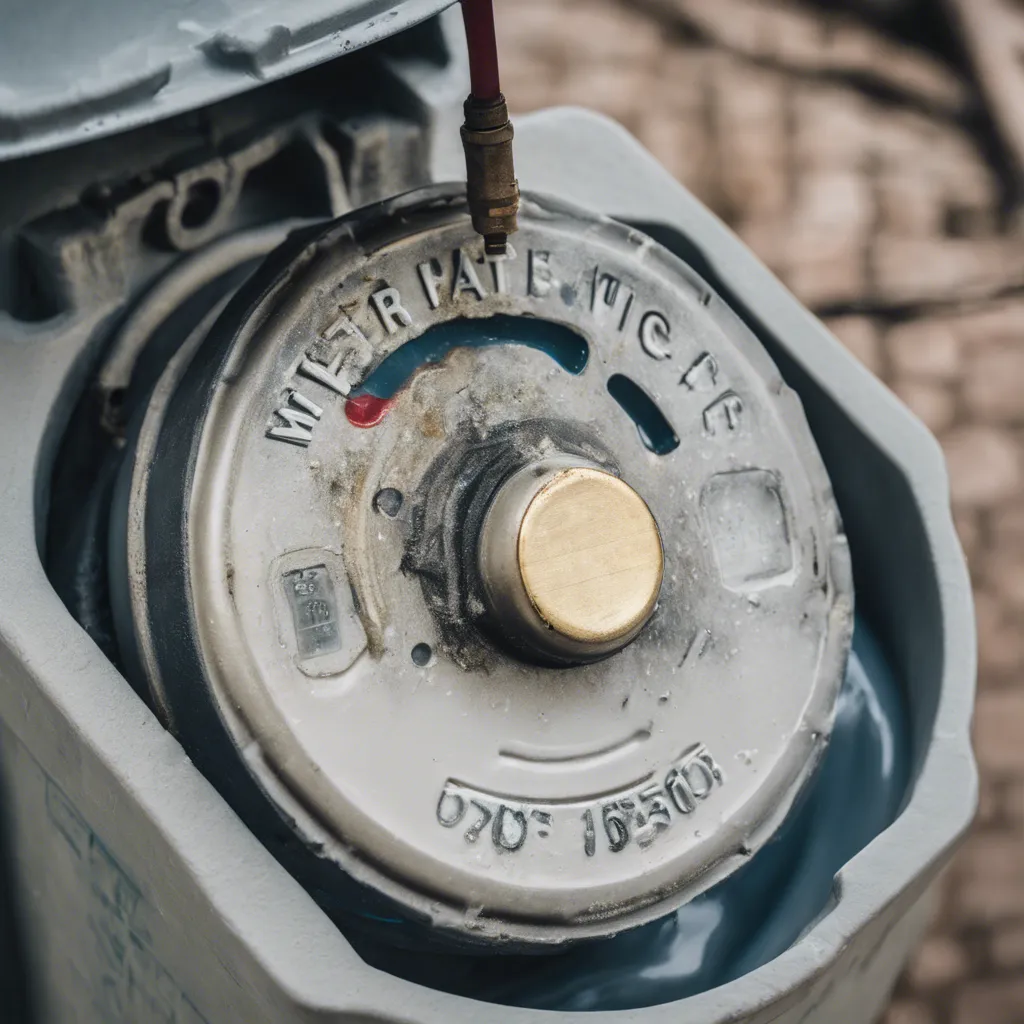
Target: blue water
741, 923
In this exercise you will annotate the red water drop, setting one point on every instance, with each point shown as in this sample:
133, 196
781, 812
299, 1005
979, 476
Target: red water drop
366, 410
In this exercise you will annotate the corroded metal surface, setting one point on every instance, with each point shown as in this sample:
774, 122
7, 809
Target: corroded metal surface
327, 567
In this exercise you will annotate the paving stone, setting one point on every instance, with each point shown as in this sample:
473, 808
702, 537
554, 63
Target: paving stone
905, 1011
692, 72
678, 133
1003, 574
823, 267
749, 115
998, 730
1006, 525
990, 32
603, 35
754, 29
905, 138
989, 854
855, 51
1000, 641
1012, 807
819, 251
682, 147
928, 349
922, 196
952, 162
994, 383
990, 1002
622, 96
1007, 947
531, 87
940, 961
783, 34
934, 404
832, 127
984, 465
530, 27
836, 200
922, 270
994, 322
909, 205
991, 880
861, 336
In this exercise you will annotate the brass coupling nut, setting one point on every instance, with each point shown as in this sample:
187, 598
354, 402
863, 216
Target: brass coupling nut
491, 187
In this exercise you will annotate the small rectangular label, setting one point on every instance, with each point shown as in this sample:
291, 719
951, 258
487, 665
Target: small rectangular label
310, 594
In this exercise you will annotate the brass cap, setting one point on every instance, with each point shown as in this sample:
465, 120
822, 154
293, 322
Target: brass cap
571, 559
590, 556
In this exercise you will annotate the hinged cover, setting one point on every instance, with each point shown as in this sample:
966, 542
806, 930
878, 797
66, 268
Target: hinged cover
72, 71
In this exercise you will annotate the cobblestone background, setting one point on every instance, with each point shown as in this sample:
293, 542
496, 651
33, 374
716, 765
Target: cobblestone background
855, 166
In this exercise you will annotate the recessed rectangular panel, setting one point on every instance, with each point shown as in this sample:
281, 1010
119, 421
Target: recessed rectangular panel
310, 594
746, 517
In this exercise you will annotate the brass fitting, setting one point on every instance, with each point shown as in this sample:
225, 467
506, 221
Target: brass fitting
491, 186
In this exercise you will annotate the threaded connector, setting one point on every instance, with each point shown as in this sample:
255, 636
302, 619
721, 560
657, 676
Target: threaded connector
491, 187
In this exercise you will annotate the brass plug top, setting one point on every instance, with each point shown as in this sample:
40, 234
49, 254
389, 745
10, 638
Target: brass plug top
571, 560
590, 556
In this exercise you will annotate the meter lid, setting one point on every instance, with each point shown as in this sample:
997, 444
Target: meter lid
128, 63
509, 651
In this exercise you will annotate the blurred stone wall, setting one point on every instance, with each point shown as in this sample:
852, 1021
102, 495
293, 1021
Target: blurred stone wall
855, 166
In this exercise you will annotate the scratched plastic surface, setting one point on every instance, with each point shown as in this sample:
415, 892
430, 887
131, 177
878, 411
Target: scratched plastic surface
744, 921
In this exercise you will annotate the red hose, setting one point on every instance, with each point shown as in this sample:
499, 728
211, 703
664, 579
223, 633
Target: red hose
483, 49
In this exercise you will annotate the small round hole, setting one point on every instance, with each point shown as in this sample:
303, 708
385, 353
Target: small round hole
388, 502
421, 655
201, 203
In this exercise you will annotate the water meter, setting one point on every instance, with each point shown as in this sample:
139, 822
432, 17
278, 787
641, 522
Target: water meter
404, 493
431, 601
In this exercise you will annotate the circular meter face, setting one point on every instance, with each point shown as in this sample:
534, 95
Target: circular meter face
517, 582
